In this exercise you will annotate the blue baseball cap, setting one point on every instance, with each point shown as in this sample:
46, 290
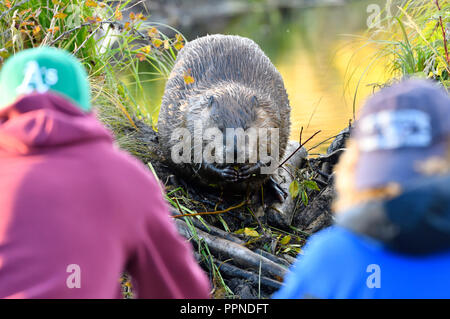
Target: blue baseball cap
399, 127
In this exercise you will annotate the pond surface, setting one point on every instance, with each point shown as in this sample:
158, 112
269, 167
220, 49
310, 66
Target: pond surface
320, 62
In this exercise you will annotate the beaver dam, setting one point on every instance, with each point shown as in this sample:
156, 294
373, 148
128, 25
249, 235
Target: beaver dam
246, 242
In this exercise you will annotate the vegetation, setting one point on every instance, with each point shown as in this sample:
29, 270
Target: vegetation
111, 49
411, 40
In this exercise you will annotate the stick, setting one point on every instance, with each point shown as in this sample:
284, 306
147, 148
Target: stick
232, 271
213, 213
298, 148
241, 256
12, 8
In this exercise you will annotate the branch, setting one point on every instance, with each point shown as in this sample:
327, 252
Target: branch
241, 256
12, 8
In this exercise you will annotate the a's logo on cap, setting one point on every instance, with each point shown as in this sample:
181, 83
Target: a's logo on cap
37, 79
392, 129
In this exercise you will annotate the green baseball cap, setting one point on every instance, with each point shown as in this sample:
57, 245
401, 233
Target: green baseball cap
44, 69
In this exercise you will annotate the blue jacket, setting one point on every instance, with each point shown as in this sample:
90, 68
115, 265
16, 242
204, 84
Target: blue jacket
394, 249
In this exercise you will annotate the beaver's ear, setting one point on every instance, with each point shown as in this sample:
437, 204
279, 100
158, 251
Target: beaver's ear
254, 101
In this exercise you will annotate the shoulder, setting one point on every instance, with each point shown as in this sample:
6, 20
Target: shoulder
125, 178
330, 256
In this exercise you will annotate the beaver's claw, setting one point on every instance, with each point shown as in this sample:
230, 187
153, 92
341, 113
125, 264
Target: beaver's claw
226, 173
276, 189
249, 169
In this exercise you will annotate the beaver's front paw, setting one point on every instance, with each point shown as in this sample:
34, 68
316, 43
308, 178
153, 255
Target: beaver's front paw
275, 189
248, 170
228, 174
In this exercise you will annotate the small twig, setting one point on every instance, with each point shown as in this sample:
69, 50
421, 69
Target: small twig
300, 138
299, 148
324, 141
213, 213
12, 8
67, 32
178, 206
443, 34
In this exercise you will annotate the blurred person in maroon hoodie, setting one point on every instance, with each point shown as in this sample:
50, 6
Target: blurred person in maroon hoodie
75, 212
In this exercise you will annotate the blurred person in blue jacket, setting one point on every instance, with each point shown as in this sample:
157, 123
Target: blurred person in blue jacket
391, 238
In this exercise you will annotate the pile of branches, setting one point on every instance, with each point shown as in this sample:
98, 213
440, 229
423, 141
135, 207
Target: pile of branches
241, 242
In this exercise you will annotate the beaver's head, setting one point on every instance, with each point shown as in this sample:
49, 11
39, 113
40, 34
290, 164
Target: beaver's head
235, 124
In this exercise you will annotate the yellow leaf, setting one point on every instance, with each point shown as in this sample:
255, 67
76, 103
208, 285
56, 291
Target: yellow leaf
247, 231
36, 30
251, 232
53, 30
188, 79
178, 46
93, 19
157, 42
140, 16
21, 13
140, 56
146, 49
118, 14
179, 43
166, 44
286, 239
60, 15
90, 3
126, 26
179, 37
26, 23
132, 16
153, 32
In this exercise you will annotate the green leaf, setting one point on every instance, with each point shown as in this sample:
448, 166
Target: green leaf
294, 188
311, 185
305, 198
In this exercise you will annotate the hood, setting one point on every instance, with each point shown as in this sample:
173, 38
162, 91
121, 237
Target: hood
37, 121
416, 222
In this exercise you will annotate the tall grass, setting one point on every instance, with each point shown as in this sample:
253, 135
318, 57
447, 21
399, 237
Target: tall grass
113, 43
411, 39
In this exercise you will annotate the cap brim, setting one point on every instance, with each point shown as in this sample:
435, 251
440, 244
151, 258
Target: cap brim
379, 168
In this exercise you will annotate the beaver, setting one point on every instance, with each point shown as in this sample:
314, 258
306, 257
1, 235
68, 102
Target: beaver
226, 82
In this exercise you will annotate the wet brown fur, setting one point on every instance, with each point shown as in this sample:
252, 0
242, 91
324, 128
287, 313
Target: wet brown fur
235, 72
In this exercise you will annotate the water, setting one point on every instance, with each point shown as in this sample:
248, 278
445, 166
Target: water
320, 64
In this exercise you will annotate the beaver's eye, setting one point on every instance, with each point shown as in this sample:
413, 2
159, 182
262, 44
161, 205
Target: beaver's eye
211, 101
254, 101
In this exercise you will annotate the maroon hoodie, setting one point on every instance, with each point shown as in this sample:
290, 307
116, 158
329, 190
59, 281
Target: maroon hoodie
75, 212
